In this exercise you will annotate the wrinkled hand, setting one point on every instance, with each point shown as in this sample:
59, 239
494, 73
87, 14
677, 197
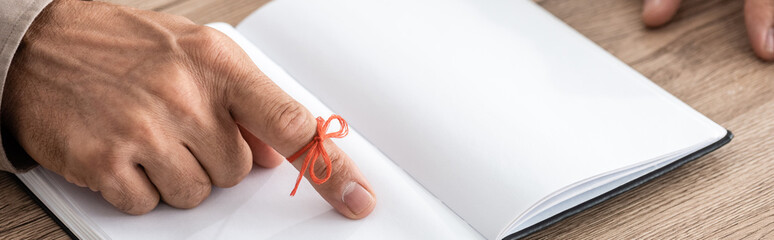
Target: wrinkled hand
759, 16
144, 106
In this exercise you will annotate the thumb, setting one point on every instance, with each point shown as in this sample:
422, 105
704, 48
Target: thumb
278, 120
759, 18
658, 12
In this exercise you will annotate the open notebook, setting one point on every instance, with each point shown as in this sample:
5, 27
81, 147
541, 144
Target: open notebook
472, 119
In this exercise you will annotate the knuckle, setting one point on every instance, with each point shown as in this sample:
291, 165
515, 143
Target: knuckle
152, 148
231, 178
180, 96
141, 131
190, 195
145, 139
129, 199
207, 47
233, 156
209, 33
206, 37
111, 157
137, 205
289, 123
186, 104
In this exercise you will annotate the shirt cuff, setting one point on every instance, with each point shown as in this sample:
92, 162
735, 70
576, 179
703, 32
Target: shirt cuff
16, 16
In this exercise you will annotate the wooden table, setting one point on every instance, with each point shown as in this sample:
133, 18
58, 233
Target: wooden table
702, 57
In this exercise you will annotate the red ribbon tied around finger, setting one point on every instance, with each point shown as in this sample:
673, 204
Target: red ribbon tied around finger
316, 149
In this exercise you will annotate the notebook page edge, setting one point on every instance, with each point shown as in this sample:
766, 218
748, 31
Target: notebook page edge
60, 204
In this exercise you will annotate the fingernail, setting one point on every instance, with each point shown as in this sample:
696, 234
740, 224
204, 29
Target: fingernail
649, 4
356, 198
769, 45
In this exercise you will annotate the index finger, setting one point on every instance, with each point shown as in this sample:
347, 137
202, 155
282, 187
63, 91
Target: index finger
270, 114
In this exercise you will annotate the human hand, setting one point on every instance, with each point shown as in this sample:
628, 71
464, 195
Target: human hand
143, 106
759, 17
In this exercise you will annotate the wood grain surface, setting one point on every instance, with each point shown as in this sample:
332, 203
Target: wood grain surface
702, 57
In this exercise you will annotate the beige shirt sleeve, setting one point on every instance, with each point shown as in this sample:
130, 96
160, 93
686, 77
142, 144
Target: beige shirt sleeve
15, 17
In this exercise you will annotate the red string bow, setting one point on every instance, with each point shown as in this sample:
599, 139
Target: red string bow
316, 148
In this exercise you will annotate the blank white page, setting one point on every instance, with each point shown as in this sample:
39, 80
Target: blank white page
260, 206
490, 104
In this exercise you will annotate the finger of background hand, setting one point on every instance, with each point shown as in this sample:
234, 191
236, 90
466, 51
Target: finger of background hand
221, 150
759, 15
129, 190
658, 12
263, 154
178, 177
265, 110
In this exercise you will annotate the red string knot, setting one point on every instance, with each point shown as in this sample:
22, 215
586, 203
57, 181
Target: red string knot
316, 149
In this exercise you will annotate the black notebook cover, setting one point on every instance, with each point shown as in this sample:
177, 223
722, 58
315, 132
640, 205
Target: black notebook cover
621, 189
